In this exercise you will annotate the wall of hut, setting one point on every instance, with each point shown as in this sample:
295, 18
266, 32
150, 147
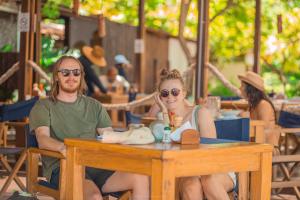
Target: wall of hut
8, 27
156, 58
6, 88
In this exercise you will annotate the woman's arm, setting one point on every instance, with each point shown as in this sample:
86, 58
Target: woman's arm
206, 123
266, 113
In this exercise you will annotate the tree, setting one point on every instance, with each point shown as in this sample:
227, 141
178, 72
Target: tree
231, 28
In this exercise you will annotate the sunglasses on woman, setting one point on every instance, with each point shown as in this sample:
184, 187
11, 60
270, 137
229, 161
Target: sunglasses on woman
67, 72
165, 93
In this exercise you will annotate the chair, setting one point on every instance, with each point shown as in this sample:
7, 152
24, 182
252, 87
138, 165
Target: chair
290, 127
16, 111
130, 117
289, 162
236, 129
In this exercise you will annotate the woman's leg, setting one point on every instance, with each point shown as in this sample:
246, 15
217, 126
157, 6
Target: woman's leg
190, 188
216, 186
91, 191
121, 181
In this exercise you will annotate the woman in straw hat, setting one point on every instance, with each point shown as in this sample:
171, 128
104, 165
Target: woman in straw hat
89, 57
171, 98
260, 106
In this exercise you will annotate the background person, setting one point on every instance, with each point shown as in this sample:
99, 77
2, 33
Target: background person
112, 80
260, 106
122, 64
89, 57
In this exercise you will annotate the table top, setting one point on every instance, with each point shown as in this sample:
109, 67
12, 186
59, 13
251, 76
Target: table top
160, 150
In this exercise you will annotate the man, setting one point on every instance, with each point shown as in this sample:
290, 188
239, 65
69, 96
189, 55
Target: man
122, 64
112, 81
92, 56
67, 113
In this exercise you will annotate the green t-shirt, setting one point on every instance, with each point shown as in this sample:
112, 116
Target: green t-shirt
78, 119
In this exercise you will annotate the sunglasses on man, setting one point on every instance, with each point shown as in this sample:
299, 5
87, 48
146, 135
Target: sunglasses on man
67, 72
165, 93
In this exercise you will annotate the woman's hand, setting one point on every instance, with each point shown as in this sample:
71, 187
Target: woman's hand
160, 103
244, 114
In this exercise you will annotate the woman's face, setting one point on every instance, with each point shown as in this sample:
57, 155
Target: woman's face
172, 93
243, 90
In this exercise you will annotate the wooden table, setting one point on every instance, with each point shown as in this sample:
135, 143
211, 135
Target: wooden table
166, 162
243, 105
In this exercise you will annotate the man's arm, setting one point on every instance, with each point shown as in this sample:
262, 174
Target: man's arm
46, 142
101, 130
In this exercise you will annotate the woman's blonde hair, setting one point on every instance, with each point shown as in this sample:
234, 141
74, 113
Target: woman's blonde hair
174, 74
55, 84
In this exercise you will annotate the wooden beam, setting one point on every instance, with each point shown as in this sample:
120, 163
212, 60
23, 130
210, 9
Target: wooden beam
140, 57
202, 55
257, 36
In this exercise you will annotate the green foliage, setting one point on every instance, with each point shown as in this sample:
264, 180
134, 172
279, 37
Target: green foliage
231, 32
218, 89
50, 8
49, 53
6, 48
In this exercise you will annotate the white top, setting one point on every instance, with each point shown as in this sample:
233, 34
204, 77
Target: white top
119, 82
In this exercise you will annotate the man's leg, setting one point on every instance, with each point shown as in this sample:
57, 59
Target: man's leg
121, 181
90, 189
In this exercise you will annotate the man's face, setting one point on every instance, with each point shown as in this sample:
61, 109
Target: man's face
112, 75
69, 74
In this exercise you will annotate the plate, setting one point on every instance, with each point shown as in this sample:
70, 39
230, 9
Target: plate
230, 113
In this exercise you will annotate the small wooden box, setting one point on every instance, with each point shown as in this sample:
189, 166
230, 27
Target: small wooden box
190, 136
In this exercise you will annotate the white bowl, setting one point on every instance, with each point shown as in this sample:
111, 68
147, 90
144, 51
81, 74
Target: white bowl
230, 113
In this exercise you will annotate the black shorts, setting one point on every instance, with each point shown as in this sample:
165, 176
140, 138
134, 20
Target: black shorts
98, 176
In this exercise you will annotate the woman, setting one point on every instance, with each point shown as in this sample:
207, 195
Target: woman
171, 98
260, 106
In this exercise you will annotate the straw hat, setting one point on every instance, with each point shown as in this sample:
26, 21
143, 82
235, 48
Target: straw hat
253, 79
95, 55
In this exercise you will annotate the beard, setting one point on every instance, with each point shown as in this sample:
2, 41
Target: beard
64, 87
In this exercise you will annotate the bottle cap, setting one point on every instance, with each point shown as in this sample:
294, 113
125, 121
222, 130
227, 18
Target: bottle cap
167, 128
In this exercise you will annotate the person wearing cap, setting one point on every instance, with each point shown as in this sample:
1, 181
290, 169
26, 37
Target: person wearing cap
92, 56
112, 81
121, 63
260, 106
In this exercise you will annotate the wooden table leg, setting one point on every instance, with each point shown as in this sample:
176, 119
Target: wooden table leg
114, 117
74, 176
261, 179
162, 180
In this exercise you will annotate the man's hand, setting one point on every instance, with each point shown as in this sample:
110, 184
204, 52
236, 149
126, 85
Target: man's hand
63, 151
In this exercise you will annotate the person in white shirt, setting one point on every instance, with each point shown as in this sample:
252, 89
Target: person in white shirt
112, 81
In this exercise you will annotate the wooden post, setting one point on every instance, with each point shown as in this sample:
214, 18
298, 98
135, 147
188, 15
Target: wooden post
24, 53
75, 7
140, 57
38, 37
202, 49
257, 36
